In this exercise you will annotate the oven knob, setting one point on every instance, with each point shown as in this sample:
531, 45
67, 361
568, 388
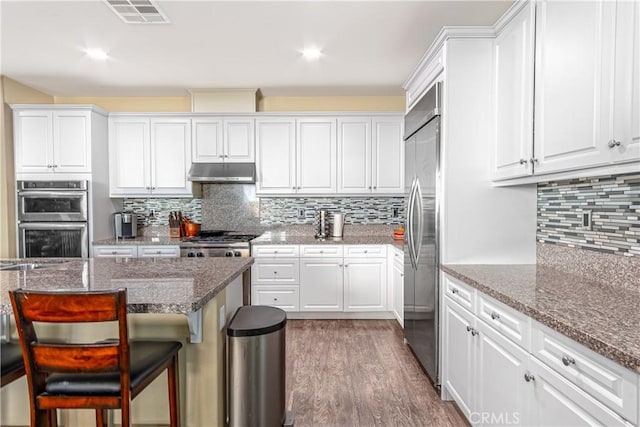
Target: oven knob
191, 254
237, 253
228, 253
200, 255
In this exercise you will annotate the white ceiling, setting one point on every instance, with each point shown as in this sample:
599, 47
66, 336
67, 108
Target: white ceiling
369, 47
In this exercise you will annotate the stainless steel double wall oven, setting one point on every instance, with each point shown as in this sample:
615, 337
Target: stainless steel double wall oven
53, 219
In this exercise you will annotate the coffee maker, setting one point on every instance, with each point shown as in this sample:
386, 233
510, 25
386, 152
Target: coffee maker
125, 225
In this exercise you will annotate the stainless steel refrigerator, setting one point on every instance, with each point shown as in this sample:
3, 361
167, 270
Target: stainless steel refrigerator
421, 245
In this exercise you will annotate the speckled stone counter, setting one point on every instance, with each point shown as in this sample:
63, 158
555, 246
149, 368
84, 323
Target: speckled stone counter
283, 238
154, 285
598, 313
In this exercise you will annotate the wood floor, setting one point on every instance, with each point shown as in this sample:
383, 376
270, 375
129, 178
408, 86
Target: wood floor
359, 373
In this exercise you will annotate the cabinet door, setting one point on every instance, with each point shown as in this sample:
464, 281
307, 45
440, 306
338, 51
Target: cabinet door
513, 86
72, 141
365, 284
316, 155
388, 156
207, 143
321, 284
560, 403
129, 153
458, 354
33, 141
503, 395
170, 156
574, 59
398, 292
354, 155
239, 140
276, 159
284, 297
626, 117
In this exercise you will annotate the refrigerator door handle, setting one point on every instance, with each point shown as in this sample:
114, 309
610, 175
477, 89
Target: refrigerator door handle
409, 228
418, 244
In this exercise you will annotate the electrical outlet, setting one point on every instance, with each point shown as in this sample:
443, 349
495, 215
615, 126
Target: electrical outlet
395, 212
222, 318
300, 213
586, 220
152, 213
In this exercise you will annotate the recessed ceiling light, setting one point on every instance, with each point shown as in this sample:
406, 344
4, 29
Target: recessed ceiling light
97, 54
311, 53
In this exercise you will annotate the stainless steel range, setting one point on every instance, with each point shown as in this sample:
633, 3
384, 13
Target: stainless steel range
217, 243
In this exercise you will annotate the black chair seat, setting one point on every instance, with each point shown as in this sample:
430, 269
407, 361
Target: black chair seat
10, 358
145, 357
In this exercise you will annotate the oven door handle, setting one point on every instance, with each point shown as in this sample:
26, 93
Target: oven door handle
52, 194
52, 225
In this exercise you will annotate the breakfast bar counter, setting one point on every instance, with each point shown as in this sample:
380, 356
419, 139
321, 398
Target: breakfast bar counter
184, 299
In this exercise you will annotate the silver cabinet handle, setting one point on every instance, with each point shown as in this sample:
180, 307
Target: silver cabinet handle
495, 315
469, 328
275, 300
275, 272
454, 291
158, 252
339, 265
401, 274
568, 360
366, 251
613, 143
346, 265
533, 160
275, 252
113, 252
523, 162
49, 166
473, 331
321, 251
374, 187
55, 166
369, 187
529, 377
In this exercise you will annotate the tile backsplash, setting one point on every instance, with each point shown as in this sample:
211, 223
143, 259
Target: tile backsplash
614, 205
236, 206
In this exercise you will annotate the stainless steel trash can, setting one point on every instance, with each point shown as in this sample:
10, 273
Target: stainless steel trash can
256, 367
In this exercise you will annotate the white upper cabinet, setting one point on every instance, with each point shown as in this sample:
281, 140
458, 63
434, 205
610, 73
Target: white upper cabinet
316, 155
575, 49
354, 155
513, 95
149, 156
625, 143
218, 140
388, 156
587, 90
52, 141
276, 159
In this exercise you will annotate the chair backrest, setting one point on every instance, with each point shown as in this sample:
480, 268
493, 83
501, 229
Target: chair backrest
43, 358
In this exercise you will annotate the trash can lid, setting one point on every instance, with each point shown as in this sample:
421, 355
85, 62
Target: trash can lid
252, 320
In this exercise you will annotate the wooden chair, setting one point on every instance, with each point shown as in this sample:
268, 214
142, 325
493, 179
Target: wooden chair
11, 361
101, 375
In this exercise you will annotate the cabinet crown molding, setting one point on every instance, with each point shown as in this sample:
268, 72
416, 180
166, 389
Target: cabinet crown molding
65, 107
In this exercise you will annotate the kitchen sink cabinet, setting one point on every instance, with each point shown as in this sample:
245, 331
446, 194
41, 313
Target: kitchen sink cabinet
586, 97
149, 157
223, 140
54, 140
370, 155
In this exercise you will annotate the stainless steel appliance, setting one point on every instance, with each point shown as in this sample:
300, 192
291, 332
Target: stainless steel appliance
421, 245
217, 243
125, 225
52, 219
338, 225
223, 173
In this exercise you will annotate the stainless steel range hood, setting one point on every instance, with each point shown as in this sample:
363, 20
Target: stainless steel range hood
223, 173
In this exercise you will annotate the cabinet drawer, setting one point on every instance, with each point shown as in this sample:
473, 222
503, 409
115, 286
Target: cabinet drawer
275, 251
321, 251
285, 297
612, 384
511, 323
159, 251
365, 251
459, 292
115, 251
283, 271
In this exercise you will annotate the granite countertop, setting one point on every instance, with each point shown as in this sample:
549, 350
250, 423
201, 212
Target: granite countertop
140, 240
284, 238
595, 312
154, 285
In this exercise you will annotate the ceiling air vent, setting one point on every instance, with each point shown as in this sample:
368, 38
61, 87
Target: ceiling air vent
138, 11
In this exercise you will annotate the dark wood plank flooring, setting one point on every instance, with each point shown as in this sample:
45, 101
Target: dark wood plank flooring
359, 373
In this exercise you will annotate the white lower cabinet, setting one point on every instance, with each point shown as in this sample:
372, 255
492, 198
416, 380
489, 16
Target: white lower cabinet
283, 297
136, 251
321, 284
498, 378
365, 284
397, 283
113, 251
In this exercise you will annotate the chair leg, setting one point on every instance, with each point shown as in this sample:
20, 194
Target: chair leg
43, 418
174, 402
124, 410
101, 420
53, 418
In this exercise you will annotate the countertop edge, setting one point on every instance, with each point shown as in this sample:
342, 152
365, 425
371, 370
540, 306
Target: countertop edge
580, 336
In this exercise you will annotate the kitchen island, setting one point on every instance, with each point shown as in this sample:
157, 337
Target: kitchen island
183, 299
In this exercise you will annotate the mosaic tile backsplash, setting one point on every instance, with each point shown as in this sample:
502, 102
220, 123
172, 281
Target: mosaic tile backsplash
614, 203
191, 208
301, 210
